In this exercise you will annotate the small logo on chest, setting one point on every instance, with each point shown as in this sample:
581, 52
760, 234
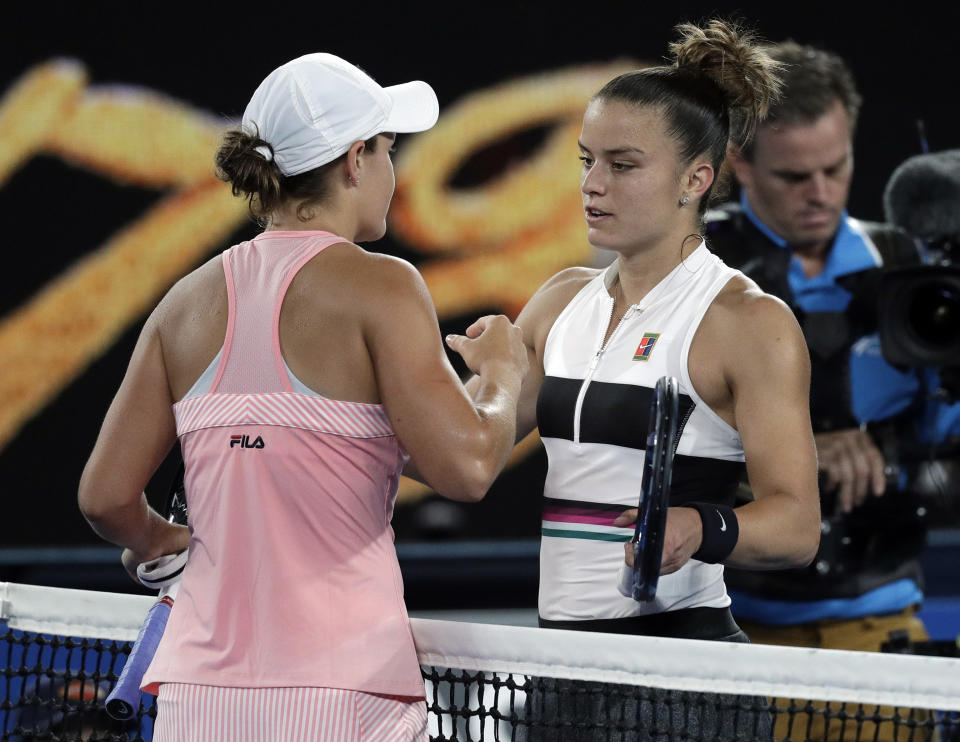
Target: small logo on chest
646, 346
244, 441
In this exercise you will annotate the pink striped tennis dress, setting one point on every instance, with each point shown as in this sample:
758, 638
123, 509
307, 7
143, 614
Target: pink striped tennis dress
290, 621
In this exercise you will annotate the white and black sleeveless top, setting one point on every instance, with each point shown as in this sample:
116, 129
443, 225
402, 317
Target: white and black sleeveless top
593, 412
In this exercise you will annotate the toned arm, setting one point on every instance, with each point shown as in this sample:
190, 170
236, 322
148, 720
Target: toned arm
136, 435
749, 362
457, 444
767, 369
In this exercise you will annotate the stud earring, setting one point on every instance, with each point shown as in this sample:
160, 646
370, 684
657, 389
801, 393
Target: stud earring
684, 201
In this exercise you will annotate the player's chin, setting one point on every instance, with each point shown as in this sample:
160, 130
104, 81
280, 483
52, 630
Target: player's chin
604, 239
373, 232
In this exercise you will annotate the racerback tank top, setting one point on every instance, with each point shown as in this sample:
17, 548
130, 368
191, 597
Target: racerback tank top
292, 578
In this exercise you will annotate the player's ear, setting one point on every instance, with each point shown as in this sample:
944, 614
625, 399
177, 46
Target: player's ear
352, 163
697, 178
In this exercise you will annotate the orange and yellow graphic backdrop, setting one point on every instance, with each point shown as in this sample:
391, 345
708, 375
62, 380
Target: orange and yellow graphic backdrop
482, 247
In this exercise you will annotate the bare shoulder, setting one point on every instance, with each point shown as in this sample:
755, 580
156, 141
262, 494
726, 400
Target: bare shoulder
389, 292
742, 306
747, 325
203, 291
203, 277
365, 277
379, 267
385, 279
549, 301
563, 286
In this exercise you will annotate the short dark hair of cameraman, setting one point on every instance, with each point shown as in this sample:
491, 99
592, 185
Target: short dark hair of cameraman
791, 233
796, 171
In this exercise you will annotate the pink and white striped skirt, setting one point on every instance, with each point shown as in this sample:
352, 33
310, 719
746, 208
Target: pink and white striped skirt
209, 713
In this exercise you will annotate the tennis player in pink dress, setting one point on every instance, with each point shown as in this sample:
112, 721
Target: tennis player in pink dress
299, 373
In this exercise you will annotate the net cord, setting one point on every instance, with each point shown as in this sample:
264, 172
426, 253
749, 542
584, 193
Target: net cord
704, 666
712, 667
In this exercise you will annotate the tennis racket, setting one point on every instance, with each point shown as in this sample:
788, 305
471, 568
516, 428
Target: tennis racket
640, 581
124, 700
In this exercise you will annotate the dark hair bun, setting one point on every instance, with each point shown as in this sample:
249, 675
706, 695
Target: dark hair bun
248, 172
733, 58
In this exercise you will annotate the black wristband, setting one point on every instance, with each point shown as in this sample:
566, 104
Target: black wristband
720, 531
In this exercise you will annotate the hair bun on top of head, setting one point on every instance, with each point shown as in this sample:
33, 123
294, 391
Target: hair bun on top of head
735, 60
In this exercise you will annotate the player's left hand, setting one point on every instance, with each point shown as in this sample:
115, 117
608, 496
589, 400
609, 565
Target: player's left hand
171, 539
683, 535
130, 560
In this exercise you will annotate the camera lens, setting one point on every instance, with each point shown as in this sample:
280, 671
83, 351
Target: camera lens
935, 313
920, 316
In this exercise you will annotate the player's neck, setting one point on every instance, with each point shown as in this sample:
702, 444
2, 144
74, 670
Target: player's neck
336, 221
641, 270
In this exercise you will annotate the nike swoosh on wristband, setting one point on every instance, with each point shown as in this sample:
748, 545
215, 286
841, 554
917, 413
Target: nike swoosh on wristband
723, 523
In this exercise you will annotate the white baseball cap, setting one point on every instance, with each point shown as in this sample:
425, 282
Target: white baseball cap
312, 109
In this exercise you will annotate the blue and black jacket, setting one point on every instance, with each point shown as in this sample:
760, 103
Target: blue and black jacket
867, 562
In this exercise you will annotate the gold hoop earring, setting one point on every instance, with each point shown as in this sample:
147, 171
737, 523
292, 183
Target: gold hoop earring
683, 244
694, 236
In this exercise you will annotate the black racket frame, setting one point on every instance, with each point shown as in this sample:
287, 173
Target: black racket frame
651, 524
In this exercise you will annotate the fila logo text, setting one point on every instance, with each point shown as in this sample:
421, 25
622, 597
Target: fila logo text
244, 441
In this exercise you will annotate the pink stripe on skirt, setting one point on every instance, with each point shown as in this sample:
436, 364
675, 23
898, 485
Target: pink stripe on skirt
210, 713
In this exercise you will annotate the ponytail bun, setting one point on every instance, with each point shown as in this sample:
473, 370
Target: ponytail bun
733, 58
248, 172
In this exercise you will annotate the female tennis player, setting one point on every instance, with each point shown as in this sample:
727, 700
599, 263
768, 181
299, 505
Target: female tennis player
652, 145
297, 370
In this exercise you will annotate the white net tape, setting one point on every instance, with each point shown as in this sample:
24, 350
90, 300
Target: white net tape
717, 667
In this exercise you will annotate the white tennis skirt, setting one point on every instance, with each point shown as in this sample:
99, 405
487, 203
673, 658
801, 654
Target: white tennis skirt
209, 713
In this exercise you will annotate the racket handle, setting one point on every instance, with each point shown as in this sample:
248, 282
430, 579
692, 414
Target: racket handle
628, 576
632, 582
124, 700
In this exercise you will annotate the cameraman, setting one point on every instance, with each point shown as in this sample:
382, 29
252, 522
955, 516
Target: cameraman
792, 235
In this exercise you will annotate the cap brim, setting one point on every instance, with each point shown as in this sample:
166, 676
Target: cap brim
415, 107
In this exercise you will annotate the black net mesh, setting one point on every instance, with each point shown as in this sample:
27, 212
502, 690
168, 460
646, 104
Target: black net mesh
54, 688
519, 708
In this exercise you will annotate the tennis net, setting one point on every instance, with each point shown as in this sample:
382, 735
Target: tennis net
61, 651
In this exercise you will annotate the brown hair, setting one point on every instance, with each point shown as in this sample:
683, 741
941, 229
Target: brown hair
260, 181
720, 84
813, 81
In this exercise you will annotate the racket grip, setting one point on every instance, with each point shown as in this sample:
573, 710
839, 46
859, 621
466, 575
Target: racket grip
124, 700
628, 577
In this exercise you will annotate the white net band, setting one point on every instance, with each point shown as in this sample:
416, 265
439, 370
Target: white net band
714, 667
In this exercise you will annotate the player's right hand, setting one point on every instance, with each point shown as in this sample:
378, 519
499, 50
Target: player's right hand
492, 339
852, 464
682, 538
